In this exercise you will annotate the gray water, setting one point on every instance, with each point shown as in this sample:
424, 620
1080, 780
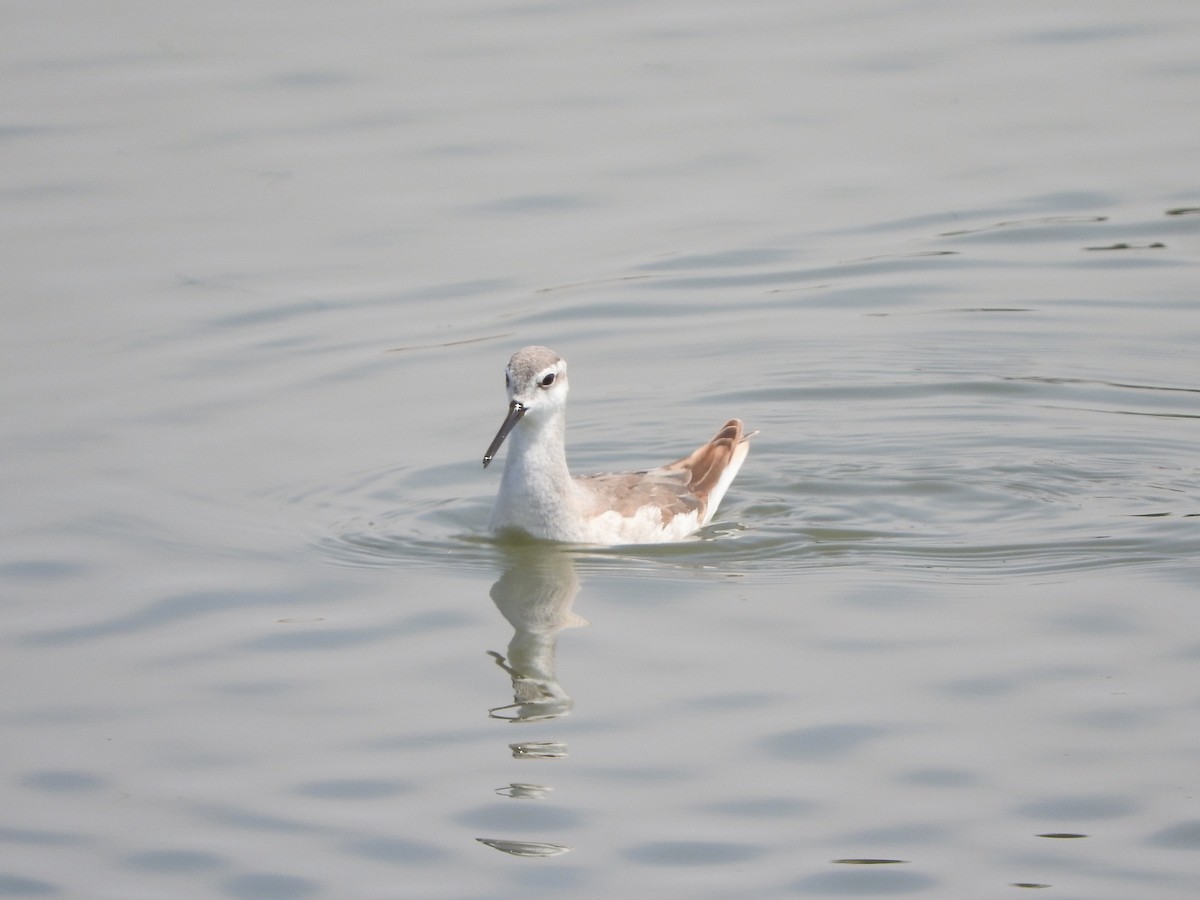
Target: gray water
262, 268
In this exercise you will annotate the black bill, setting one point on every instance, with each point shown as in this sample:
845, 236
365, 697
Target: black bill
515, 411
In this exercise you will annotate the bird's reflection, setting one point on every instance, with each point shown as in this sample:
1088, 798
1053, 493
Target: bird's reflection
534, 849
535, 594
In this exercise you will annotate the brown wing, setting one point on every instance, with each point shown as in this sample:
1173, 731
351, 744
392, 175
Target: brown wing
705, 466
627, 492
677, 488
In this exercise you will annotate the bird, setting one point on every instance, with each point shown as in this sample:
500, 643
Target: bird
539, 496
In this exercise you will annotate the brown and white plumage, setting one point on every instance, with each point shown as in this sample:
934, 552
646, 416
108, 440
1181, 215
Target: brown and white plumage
539, 496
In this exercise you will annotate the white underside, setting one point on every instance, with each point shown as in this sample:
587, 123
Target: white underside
566, 522
570, 515
644, 527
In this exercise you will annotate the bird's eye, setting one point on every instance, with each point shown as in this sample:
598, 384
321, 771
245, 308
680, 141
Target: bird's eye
548, 380
507, 380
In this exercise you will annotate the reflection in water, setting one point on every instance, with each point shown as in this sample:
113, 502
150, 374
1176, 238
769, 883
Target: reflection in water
535, 594
538, 750
869, 861
519, 790
525, 848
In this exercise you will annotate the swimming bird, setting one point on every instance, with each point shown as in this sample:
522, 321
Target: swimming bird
539, 496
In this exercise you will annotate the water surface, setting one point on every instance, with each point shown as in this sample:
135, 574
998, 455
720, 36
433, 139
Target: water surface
263, 269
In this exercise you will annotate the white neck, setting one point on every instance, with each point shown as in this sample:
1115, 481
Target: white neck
537, 493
